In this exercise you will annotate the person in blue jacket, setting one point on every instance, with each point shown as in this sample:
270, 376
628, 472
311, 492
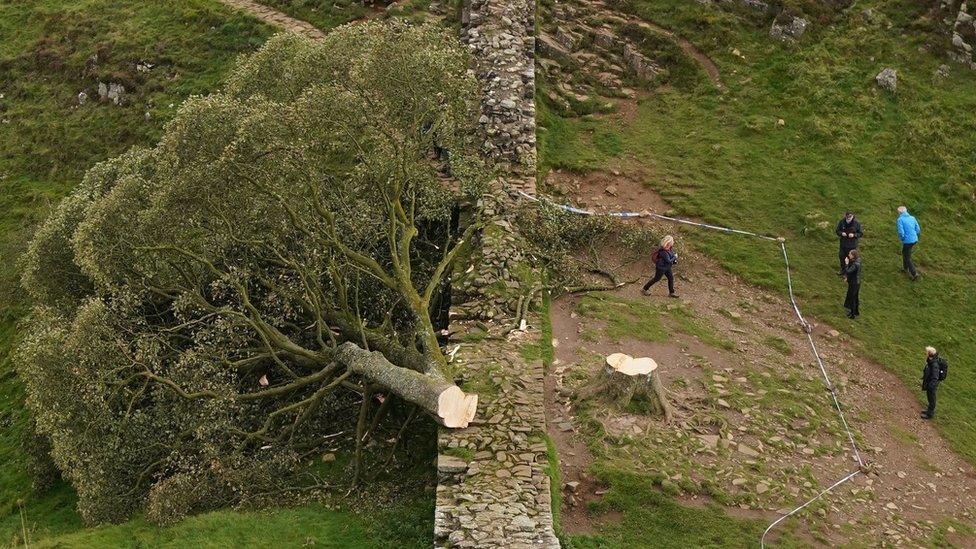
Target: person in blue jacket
664, 259
908, 231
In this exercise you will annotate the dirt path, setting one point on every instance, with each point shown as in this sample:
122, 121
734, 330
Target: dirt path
917, 484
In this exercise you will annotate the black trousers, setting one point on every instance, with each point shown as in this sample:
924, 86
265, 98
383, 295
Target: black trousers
658, 273
853, 300
842, 255
930, 395
906, 259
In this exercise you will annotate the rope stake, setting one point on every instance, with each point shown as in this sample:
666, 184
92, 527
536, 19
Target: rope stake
807, 328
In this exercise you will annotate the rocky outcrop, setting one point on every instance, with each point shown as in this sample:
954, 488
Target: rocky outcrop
964, 37
788, 28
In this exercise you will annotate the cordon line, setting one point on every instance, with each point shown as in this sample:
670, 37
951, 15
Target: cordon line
796, 309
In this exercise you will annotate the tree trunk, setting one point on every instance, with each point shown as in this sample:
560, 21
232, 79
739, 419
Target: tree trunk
446, 402
626, 378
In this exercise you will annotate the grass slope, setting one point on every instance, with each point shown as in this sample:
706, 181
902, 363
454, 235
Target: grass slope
48, 142
843, 144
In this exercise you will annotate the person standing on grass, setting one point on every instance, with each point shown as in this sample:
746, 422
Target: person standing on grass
934, 373
852, 272
849, 231
908, 231
664, 258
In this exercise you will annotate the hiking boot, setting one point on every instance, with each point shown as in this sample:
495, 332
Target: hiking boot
646, 291
927, 415
673, 295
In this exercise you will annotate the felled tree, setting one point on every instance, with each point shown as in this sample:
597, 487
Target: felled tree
205, 309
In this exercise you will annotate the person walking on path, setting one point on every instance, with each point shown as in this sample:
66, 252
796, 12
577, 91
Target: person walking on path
908, 231
852, 271
933, 374
664, 259
849, 231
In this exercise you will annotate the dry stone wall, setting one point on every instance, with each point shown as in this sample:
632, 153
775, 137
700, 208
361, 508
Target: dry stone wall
493, 489
500, 36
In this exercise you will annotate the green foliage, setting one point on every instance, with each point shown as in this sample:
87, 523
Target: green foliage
49, 141
178, 280
554, 236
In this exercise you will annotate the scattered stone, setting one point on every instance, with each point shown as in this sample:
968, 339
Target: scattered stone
710, 441
111, 92
762, 488
572, 486
743, 449
887, 80
328, 458
739, 481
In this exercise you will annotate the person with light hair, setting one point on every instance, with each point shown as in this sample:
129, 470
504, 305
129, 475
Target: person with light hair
664, 258
908, 231
936, 369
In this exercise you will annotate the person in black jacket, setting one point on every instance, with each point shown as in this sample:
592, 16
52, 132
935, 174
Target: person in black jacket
665, 258
930, 380
852, 271
849, 231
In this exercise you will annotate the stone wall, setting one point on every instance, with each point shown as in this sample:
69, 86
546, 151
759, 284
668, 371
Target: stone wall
500, 36
493, 489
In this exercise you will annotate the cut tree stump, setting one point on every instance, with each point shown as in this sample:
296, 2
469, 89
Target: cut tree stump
626, 377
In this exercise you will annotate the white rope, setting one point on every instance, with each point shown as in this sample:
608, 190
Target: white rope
762, 540
796, 309
816, 354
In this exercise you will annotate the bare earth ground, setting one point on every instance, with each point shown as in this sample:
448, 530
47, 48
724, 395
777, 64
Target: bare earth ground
755, 428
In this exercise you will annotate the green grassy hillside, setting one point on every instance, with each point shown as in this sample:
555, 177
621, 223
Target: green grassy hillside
161, 52
843, 143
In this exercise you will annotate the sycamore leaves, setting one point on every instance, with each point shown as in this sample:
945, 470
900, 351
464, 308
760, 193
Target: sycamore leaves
190, 297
